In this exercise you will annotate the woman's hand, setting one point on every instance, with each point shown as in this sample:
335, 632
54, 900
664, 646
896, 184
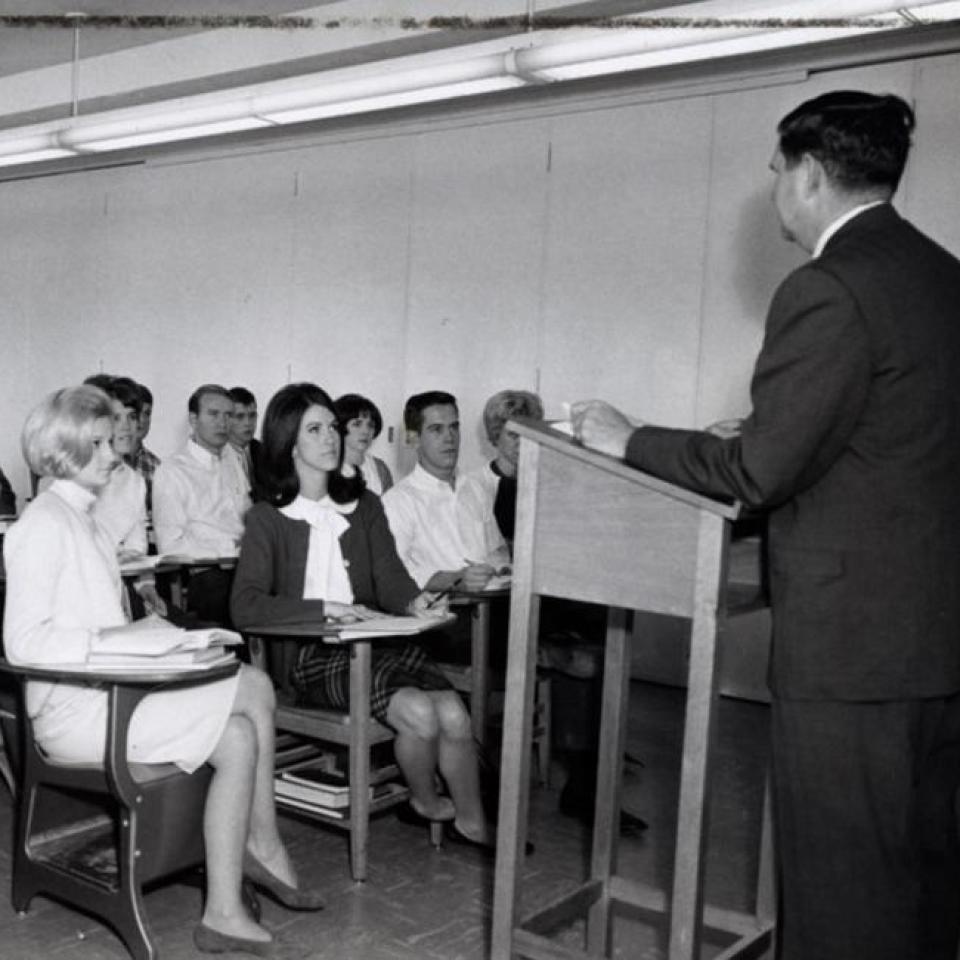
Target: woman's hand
348, 612
428, 605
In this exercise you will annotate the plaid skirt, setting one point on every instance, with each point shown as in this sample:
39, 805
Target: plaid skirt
321, 676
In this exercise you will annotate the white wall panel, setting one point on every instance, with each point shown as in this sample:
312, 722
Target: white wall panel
475, 258
624, 267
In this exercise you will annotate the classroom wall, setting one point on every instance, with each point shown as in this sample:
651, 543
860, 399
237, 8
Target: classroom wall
627, 252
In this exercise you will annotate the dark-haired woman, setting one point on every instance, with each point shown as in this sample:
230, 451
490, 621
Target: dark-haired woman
361, 423
320, 547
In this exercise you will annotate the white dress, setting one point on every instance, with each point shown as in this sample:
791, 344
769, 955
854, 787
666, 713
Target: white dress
63, 584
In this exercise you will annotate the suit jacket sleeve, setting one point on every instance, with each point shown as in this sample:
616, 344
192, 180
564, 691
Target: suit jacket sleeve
809, 387
264, 588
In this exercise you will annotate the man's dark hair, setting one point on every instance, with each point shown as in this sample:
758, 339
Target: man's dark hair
351, 406
146, 397
414, 407
214, 389
862, 139
122, 389
242, 395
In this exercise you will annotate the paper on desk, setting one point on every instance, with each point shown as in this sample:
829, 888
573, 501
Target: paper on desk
154, 637
387, 627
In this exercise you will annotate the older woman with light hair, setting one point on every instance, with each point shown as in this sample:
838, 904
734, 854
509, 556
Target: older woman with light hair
63, 590
491, 491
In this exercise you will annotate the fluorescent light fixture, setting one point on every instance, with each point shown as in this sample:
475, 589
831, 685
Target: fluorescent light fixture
573, 61
636, 47
142, 126
31, 147
382, 91
535, 57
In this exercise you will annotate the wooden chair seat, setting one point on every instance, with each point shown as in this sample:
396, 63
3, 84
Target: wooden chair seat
356, 730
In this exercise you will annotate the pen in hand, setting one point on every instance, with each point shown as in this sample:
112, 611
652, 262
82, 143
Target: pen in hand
443, 593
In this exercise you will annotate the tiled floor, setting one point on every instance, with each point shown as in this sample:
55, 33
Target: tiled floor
422, 904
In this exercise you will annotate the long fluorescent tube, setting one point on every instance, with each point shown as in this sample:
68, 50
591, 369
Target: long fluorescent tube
443, 81
31, 147
540, 56
645, 41
138, 127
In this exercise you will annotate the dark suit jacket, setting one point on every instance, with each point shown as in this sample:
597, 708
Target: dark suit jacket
854, 445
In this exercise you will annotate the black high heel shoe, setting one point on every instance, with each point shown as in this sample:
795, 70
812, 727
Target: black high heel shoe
407, 814
208, 940
454, 834
290, 897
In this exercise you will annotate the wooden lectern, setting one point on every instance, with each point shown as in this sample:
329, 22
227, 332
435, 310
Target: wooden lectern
591, 528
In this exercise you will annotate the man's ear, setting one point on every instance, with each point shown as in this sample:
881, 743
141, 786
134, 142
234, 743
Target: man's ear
412, 439
814, 176
192, 420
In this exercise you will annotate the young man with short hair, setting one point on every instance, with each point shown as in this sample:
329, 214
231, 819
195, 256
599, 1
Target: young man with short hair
199, 503
439, 540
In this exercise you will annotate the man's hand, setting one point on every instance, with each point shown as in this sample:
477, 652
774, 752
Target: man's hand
601, 427
725, 429
476, 576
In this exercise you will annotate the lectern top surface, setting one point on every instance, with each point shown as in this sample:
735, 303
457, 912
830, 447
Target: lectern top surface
542, 433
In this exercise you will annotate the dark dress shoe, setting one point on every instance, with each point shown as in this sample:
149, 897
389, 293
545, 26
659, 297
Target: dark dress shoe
407, 814
454, 834
208, 940
290, 897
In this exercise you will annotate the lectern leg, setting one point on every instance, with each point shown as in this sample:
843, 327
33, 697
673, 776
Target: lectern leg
613, 735
514, 769
687, 903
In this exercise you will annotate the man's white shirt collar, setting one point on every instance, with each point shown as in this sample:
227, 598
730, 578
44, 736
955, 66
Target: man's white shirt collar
201, 454
839, 222
426, 480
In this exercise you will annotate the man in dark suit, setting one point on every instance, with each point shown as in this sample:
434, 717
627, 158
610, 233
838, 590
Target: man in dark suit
853, 445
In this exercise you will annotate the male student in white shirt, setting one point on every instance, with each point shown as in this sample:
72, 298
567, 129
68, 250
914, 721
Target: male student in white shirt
440, 540
199, 501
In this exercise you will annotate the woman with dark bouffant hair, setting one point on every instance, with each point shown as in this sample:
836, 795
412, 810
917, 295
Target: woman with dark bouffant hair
318, 547
361, 422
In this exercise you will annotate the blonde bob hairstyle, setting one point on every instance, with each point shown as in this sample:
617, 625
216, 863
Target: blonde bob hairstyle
57, 439
506, 404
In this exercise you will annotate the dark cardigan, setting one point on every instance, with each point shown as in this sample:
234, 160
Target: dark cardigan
268, 586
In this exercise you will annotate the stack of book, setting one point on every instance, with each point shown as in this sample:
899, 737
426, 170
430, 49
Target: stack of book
312, 786
154, 644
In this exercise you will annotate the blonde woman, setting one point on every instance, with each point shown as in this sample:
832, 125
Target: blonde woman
63, 588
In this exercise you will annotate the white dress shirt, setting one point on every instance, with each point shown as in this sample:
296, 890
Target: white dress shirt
238, 461
434, 527
478, 493
198, 504
121, 509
